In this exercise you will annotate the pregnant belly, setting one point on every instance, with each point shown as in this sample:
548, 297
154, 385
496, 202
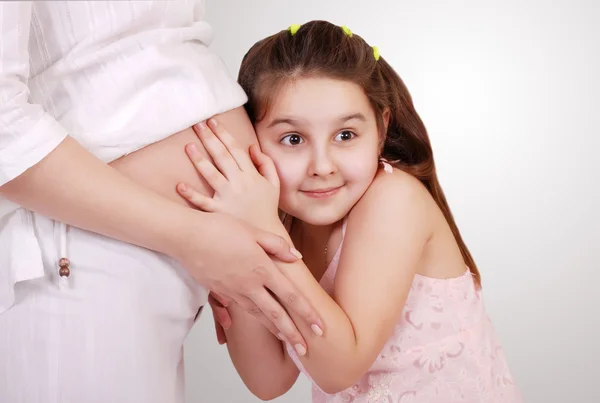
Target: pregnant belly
161, 166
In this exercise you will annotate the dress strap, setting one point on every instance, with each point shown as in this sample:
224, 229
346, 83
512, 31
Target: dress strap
387, 167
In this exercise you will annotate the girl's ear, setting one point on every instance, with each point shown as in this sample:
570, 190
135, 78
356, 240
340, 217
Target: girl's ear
386, 118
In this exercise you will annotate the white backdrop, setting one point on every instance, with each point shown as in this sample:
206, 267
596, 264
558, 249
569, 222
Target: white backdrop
508, 90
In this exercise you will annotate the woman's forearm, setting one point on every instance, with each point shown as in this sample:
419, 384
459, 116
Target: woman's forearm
73, 186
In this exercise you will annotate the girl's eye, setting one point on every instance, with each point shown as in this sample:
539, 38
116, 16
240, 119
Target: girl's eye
345, 135
292, 140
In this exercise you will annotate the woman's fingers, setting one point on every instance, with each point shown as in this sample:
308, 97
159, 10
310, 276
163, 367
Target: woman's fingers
270, 321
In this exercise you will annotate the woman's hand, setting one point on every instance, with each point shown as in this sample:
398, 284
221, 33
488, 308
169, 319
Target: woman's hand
251, 196
246, 187
235, 260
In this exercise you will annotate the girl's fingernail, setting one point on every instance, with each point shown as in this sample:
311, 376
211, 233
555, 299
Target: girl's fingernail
213, 122
296, 253
201, 125
192, 148
318, 331
300, 349
184, 188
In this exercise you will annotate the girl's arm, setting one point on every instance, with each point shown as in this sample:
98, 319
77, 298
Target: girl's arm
258, 356
385, 236
386, 233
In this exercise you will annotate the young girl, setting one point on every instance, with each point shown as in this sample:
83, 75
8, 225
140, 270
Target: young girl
349, 163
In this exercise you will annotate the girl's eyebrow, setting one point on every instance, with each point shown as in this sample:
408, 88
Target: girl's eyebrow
284, 120
295, 121
358, 116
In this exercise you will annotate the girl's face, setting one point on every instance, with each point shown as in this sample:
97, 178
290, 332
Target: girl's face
322, 136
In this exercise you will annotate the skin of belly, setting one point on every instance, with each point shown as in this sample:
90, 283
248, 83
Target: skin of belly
162, 165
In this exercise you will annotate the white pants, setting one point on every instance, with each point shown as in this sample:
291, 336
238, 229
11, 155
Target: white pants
115, 335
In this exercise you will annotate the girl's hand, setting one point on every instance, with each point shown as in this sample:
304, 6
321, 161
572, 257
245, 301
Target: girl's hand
246, 187
220, 315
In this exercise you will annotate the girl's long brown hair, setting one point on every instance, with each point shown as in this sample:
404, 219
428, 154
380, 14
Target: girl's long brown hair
322, 49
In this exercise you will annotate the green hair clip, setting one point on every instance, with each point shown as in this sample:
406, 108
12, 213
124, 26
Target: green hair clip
376, 53
294, 28
347, 31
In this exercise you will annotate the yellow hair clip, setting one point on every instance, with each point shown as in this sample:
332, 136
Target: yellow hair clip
376, 53
347, 31
294, 28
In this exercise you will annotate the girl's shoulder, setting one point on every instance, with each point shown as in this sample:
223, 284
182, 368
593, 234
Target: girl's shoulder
397, 184
396, 194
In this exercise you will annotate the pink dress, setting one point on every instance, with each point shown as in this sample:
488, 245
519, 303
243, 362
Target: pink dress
443, 350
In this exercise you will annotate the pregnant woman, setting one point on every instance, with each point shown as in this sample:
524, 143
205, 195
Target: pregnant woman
103, 267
